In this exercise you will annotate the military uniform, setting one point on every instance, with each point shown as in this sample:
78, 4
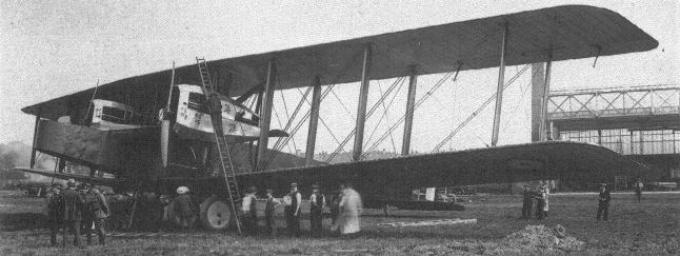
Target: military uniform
318, 201
96, 212
73, 213
55, 211
603, 204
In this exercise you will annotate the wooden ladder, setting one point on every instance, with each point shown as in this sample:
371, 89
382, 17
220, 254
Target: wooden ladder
215, 109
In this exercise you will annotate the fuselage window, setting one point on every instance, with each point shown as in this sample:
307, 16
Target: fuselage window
197, 102
113, 115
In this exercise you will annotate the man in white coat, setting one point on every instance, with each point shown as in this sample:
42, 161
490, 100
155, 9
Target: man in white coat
350, 209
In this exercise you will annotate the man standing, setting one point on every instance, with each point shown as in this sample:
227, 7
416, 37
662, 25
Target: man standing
603, 202
540, 202
55, 211
249, 212
269, 210
96, 210
184, 208
317, 202
293, 210
546, 199
527, 203
73, 211
638, 188
350, 209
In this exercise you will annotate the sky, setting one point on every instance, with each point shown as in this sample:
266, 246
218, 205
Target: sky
53, 48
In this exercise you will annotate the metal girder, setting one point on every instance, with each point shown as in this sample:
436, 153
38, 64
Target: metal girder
649, 100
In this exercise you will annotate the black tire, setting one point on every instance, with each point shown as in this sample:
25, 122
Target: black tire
216, 214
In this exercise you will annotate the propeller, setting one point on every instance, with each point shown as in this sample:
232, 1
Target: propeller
164, 116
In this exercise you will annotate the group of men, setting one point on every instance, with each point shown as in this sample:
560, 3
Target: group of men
540, 195
75, 208
345, 209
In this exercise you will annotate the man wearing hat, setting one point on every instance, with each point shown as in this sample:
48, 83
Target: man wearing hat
317, 202
603, 202
55, 209
248, 210
292, 210
73, 211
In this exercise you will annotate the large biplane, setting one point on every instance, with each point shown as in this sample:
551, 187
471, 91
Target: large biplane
189, 126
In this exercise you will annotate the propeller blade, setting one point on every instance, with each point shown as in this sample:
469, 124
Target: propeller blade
165, 122
165, 141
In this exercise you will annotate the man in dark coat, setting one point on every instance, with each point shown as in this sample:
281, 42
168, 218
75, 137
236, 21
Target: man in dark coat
527, 203
603, 202
73, 212
317, 203
292, 209
55, 211
185, 208
269, 210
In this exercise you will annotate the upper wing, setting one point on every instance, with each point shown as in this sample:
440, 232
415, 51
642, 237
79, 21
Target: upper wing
570, 31
567, 161
65, 176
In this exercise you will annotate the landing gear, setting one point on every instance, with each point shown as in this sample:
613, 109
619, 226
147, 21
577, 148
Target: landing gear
216, 214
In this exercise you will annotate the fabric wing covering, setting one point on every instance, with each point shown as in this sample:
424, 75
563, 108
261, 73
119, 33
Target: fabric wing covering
570, 32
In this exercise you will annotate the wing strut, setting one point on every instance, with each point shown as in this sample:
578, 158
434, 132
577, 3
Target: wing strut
215, 109
499, 93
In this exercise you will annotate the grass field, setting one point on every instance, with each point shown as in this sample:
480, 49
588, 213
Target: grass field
648, 228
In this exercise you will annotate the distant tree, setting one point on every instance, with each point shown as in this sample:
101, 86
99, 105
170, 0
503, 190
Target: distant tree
8, 161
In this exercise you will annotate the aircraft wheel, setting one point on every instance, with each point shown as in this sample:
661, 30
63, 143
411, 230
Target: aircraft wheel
215, 213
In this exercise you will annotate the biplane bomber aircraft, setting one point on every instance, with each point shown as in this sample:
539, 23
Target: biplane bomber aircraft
189, 126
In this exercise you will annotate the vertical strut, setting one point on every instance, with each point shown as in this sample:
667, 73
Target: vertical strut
499, 89
35, 139
545, 132
363, 98
265, 117
313, 121
410, 101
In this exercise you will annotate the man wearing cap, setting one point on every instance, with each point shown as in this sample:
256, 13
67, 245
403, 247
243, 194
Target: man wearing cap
96, 210
184, 207
248, 210
292, 210
55, 210
317, 202
603, 202
73, 211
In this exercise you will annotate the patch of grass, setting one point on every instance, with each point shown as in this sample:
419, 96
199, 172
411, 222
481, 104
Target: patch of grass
649, 228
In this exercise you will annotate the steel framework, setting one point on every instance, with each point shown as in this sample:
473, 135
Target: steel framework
615, 102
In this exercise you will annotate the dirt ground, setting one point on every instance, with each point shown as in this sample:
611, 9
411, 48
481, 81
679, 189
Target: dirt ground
648, 228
